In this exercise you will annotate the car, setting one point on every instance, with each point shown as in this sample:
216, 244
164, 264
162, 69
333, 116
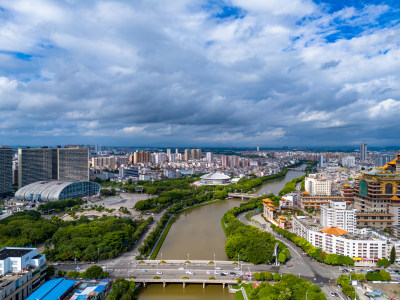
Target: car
223, 274
208, 272
237, 268
181, 268
189, 273
232, 273
159, 273
332, 294
240, 274
77, 268
336, 294
217, 268
216, 273
144, 271
55, 264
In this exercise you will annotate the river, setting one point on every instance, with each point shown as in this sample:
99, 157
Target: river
277, 185
197, 234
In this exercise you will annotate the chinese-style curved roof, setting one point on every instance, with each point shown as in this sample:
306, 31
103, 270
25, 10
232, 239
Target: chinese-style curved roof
305, 193
346, 185
395, 198
334, 231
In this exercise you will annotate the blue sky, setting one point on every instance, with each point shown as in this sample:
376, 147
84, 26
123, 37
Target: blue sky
200, 73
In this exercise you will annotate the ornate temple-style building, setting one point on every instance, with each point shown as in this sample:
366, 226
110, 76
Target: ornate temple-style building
376, 196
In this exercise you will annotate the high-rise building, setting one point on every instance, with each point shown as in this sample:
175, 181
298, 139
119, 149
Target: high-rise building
338, 215
209, 156
141, 157
72, 164
363, 152
225, 161
168, 152
42, 164
258, 148
196, 154
5, 171
176, 151
321, 161
349, 161
382, 159
187, 155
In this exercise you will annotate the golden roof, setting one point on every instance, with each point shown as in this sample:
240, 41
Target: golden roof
346, 185
305, 193
334, 231
267, 200
395, 198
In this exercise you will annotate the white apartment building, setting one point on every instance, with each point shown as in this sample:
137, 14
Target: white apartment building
361, 247
315, 185
349, 161
337, 215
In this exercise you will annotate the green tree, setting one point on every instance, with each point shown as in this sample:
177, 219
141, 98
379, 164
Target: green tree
122, 289
385, 275
94, 272
281, 258
276, 277
383, 262
343, 280
50, 271
393, 255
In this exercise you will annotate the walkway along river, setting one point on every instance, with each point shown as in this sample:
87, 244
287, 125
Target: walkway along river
197, 234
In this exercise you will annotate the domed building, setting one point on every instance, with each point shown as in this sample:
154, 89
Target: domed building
54, 190
215, 179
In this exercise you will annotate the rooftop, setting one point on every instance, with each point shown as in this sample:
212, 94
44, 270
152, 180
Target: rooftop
334, 231
13, 252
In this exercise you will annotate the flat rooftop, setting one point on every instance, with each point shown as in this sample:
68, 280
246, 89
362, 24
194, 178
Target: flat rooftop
10, 252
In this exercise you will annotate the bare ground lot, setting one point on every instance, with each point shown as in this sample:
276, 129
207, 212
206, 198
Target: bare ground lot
387, 288
127, 200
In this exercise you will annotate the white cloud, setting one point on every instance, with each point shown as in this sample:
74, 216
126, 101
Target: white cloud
177, 74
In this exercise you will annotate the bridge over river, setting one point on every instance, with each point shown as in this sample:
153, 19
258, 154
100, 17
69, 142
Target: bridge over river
242, 195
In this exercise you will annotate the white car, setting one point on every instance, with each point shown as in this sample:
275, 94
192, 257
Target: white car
216, 273
237, 269
181, 268
189, 273
77, 268
208, 272
217, 268
159, 273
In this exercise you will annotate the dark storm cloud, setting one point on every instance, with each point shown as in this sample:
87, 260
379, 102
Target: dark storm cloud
192, 73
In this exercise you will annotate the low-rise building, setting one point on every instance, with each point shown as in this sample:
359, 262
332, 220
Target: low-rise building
316, 185
22, 271
363, 248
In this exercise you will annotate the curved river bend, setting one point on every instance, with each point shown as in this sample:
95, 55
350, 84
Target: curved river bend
197, 233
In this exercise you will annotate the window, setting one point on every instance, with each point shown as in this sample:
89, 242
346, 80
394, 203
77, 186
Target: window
389, 188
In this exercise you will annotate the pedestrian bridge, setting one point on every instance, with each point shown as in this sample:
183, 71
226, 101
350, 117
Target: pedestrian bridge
242, 195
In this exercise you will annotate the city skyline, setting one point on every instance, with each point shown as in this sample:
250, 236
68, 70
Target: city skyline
200, 73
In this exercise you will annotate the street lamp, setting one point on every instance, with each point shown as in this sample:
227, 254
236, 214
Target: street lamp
238, 258
306, 295
188, 256
161, 257
214, 257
